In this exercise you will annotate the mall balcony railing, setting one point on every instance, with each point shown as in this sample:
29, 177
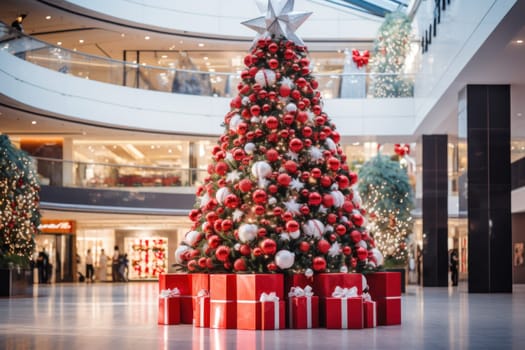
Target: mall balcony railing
194, 82
65, 173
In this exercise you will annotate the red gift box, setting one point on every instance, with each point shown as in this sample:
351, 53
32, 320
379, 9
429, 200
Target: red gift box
272, 315
223, 286
343, 313
296, 280
202, 311
223, 314
388, 311
251, 286
303, 312
248, 314
169, 310
183, 282
325, 283
369, 314
199, 281
384, 284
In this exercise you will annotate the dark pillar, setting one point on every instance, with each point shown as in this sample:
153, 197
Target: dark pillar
489, 193
435, 211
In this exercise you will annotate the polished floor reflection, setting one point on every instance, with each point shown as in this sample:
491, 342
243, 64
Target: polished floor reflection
124, 316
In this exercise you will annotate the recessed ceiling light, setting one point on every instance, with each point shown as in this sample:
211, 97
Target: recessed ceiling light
48, 17
33, 122
81, 41
122, 35
211, 69
164, 56
59, 43
147, 37
169, 151
75, 49
205, 58
519, 114
181, 41
519, 41
201, 44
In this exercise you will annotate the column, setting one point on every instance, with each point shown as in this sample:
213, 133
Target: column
487, 117
435, 211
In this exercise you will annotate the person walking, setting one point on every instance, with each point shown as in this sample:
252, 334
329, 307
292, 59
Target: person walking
115, 265
102, 266
90, 271
454, 262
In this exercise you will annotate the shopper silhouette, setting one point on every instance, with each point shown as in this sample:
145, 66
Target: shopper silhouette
115, 265
90, 271
454, 261
42, 263
17, 23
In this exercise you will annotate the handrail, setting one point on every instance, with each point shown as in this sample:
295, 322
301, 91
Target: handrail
67, 173
167, 79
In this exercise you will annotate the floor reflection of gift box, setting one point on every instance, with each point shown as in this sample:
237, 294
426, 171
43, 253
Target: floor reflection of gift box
181, 281
223, 301
385, 290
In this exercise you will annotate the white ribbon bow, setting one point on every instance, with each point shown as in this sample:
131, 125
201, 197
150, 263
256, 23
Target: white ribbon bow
268, 297
169, 293
344, 292
367, 297
300, 292
202, 293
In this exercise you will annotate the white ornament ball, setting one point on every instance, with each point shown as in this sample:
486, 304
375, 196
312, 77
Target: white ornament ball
378, 256
314, 228
246, 101
255, 120
221, 194
295, 234
343, 269
309, 273
234, 121
284, 259
249, 147
261, 169
247, 232
339, 198
364, 282
330, 144
191, 238
265, 77
291, 107
179, 251
237, 246
272, 200
362, 244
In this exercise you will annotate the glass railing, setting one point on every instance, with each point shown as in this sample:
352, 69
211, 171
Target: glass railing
64, 173
193, 82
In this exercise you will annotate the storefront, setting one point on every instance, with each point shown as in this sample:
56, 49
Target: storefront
57, 240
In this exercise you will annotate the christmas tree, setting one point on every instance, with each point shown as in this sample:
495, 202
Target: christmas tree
387, 196
279, 194
390, 51
19, 204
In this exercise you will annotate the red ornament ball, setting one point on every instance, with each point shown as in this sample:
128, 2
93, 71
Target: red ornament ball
323, 246
284, 179
259, 196
222, 253
268, 246
314, 198
319, 264
239, 265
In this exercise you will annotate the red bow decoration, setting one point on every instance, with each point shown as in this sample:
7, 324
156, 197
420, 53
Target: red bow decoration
360, 59
402, 150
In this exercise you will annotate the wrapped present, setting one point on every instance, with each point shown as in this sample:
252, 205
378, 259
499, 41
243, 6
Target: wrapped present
303, 308
384, 284
251, 286
297, 280
223, 314
183, 282
369, 312
325, 283
272, 312
248, 314
199, 282
223, 286
388, 311
223, 301
202, 309
345, 309
169, 307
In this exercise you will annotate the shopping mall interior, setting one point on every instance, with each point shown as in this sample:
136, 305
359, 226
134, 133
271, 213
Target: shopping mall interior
120, 104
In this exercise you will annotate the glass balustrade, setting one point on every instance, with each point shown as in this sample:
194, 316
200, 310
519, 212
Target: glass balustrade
63, 173
194, 82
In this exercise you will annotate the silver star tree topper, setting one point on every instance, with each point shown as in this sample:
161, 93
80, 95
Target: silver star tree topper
279, 19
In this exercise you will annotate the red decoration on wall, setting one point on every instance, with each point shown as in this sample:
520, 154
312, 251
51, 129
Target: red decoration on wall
360, 59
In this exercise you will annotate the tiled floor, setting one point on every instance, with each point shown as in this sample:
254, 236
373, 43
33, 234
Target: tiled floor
124, 316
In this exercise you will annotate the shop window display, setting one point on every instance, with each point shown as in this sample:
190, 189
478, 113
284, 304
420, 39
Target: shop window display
147, 257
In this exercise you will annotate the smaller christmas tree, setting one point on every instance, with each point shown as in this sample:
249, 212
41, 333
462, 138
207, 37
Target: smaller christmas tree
19, 205
387, 195
390, 51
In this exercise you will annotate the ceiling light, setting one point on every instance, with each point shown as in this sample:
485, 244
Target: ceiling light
33, 122
519, 114
181, 41
355, 144
147, 37
164, 56
207, 63
211, 70
519, 41
48, 17
201, 44
122, 34
169, 151
81, 41
59, 43
205, 58
133, 151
